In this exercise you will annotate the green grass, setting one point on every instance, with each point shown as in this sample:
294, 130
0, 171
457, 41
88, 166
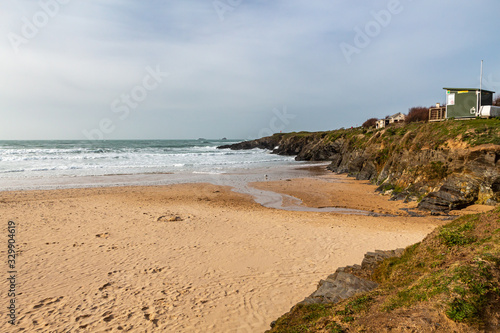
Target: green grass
455, 270
410, 136
435, 284
354, 307
333, 327
460, 275
389, 267
458, 234
303, 318
471, 294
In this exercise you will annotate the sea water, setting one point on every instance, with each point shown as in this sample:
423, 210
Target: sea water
31, 162
35, 165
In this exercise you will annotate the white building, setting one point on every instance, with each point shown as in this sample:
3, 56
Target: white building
395, 118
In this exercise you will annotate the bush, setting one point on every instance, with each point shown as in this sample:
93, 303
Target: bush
496, 101
417, 113
370, 123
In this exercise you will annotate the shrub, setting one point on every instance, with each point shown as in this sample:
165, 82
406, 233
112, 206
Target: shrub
417, 113
370, 123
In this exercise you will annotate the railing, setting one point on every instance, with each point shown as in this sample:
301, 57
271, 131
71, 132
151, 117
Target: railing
437, 114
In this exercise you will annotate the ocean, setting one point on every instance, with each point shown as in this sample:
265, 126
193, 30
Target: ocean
24, 164
47, 165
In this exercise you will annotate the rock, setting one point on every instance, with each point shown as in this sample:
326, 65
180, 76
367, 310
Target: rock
372, 259
264, 143
336, 160
456, 193
356, 165
412, 213
448, 177
368, 171
337, 287
350, 280
318, 151
399, 196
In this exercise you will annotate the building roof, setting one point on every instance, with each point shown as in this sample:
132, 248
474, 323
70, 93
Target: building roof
395, 115
473, 89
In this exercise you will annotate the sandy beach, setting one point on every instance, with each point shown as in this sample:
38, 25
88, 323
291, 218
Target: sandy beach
187, 257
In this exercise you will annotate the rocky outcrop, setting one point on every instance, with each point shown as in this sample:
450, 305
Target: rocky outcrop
337, 287
408, 164
458, 191
264, 143
474, 178
351, 280
304, 146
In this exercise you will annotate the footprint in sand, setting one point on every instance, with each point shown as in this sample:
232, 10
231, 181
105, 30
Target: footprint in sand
108, 316
150, 316
77, 319
48, 301
154, 270
172, 218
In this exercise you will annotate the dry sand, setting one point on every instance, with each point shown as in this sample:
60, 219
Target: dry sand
110, 259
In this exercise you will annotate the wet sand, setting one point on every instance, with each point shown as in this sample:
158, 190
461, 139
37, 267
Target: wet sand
186, 257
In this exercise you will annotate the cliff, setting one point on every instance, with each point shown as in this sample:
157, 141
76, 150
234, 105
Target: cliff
445, 166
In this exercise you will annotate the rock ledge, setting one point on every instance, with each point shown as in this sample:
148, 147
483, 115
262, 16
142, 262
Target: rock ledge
350, 280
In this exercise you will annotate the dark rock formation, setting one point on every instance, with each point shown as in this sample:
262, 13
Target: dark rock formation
458, 191
446, 178
339, 286
351, 280
264, 143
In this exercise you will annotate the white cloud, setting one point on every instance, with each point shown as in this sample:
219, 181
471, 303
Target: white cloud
232, 73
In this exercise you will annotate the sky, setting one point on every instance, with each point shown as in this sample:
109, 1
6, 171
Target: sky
89, 69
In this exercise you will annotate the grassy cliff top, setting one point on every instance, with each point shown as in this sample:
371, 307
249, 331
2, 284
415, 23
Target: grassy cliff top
448, 282
432, 135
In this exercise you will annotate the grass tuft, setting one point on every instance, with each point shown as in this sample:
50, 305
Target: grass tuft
458, 234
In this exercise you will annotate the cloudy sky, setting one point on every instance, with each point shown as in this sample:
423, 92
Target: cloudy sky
76, 69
